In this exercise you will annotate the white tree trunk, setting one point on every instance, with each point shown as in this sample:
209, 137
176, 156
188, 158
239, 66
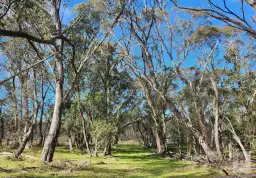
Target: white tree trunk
51, 139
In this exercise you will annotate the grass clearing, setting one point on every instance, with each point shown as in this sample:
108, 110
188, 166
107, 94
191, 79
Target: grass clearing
127, 161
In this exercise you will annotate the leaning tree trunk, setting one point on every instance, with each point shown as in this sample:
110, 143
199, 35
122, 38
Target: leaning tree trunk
25, 139
246, 156
83, 125
237, 139
52, 137
211, 155
28, 133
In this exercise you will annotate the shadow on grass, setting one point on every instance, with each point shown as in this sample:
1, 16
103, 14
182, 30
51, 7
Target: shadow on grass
47, 176
129, 149
158, 171
131, 161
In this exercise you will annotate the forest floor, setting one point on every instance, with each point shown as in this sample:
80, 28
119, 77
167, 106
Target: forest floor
127, 161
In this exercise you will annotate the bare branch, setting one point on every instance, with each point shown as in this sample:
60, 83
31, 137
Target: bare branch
29, 67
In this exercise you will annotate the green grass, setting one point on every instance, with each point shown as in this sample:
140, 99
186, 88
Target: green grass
127, 161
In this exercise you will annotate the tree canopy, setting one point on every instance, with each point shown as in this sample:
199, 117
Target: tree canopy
158, 72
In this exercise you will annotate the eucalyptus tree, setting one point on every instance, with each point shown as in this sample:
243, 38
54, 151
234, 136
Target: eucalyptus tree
242, 19
206, 38
45, 89
29, 131
51, 140
145, 57
223, 70
108, 93
12, 87
28, 27
215, 78
18, 60
159, 62
238, 108
72, 124
200, 40
40, 22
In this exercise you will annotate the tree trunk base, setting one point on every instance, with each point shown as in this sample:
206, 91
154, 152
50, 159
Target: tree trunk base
49, 148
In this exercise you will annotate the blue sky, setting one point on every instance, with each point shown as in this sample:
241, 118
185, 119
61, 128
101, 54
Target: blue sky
234, 5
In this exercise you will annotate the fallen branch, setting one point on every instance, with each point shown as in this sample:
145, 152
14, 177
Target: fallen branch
11, 154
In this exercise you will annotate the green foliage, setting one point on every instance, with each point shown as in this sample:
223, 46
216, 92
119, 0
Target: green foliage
100, 129
72, 122
209, 32
30, 16
89, 23
153, 14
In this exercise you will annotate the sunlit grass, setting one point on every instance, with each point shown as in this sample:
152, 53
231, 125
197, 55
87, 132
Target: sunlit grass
127, 161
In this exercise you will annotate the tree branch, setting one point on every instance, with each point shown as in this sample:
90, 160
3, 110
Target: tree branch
21, 34
29, 67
